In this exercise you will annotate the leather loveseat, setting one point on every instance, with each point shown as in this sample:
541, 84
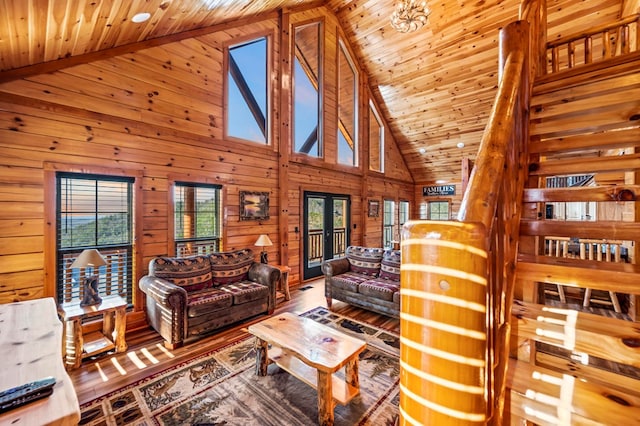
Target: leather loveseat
187, 297
366, 277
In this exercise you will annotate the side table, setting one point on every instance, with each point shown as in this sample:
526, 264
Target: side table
284, 280
78, 347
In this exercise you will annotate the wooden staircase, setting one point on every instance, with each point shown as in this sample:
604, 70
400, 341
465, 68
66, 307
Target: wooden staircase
573, 364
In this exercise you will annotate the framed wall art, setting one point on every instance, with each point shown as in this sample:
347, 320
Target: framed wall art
374, 208
254, 205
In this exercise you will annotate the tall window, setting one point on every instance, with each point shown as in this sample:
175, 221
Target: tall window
94, 211
197, 218
247, 91
347, 108
389, 231
403, 214
376, 140
306, 90
438, 210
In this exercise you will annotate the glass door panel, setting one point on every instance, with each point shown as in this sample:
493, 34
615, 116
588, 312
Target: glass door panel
326, 230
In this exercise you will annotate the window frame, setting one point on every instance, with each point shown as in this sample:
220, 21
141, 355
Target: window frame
182, 178
269, 87
393, 231
344, 50
400, 215
433, 202
320, 90
217, 246
374, 114
50, 213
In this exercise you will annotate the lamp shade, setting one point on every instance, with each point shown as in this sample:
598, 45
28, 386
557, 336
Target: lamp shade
89, 257
263, 241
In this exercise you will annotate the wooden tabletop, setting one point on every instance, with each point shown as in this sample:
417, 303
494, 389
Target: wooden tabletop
316, 344
73, 310
30, 349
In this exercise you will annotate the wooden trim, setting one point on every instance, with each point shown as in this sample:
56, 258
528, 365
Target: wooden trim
283, 141
271, 77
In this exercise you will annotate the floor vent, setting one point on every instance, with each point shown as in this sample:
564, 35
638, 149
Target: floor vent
307, 287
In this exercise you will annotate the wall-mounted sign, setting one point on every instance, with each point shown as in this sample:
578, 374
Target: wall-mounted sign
438, 190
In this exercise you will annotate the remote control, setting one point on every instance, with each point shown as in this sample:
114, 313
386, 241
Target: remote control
23, 394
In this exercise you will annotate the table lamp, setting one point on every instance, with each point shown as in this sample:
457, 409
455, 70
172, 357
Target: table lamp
93, 259
263, 241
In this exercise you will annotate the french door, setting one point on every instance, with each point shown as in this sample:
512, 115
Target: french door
326, 229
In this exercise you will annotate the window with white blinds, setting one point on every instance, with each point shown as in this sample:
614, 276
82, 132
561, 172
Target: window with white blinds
94, 212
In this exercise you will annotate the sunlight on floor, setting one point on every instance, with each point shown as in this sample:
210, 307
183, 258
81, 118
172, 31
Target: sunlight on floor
141, 359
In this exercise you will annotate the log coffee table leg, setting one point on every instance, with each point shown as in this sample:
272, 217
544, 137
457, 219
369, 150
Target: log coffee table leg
325, 399
262, 361
351, 373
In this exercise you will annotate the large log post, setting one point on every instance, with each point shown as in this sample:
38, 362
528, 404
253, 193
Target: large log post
443, 322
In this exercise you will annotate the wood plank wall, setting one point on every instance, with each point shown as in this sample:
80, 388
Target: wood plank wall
159, 113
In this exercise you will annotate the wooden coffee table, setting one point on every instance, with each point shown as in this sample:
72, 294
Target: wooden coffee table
312, 352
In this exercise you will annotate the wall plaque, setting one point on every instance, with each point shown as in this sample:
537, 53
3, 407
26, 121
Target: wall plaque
438, 190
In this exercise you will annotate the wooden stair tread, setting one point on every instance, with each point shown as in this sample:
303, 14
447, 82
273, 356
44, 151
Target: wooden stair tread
546, 397
607, 276
627, 231
584, 193
609, 338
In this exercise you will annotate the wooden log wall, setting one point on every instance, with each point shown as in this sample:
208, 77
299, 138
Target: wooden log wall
158, 113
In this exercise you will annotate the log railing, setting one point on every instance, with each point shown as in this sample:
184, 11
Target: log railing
458, 277
596, 44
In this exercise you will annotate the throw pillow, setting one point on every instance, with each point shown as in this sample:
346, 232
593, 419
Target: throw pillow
231, 267
365, 260
390, 267
192, 273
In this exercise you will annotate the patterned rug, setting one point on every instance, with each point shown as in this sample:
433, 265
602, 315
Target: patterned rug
221, 388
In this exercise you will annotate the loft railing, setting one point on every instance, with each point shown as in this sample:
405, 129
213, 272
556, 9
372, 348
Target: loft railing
458, 276
594, 45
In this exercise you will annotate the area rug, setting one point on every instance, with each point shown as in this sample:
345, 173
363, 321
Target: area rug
221, 388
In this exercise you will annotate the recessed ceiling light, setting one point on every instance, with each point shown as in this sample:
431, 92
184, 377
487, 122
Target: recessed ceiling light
422, 150
442, 181
141, 17
460, 145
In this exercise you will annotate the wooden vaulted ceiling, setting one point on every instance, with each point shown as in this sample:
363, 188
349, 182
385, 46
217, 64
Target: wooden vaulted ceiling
435, 86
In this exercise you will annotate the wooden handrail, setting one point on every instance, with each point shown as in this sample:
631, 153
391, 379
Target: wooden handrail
463, 272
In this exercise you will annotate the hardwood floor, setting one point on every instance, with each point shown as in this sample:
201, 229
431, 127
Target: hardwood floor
147, 355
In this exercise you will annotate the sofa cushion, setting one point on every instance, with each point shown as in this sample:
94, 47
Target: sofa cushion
390, 265
348, 281
230, 267
379, 288
246, 291
365, 260
206, 301
192, 273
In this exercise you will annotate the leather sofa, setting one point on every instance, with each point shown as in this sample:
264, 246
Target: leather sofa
366, 277
187, 297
